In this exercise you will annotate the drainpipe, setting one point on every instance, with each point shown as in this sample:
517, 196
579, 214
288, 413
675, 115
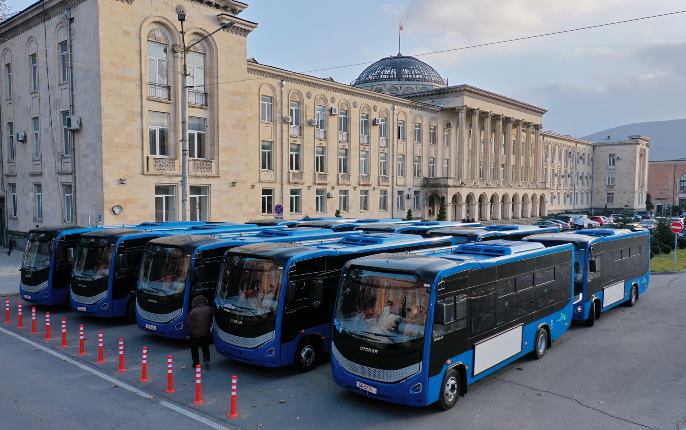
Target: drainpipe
393, 133
283, 147
68, 15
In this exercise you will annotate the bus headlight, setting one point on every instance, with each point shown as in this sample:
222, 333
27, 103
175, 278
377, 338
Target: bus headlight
270, 352
416, 389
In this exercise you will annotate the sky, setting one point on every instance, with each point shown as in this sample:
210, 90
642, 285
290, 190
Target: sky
588, 81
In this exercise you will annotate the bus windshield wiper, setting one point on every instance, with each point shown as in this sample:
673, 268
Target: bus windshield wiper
387, 336
245, 308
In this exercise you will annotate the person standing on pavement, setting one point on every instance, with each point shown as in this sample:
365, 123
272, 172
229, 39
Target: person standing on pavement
199, 321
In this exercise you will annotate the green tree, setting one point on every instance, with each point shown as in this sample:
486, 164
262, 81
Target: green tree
409, 214
338, 213
442, 215
649, 203
663, 233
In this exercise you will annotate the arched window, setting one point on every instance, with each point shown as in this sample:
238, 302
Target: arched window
196, 60
158, 64
682, 183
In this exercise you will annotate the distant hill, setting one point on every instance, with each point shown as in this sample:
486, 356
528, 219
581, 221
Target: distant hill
668, 137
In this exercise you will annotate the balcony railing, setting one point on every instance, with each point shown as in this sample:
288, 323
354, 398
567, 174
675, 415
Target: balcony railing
295, 177
364, 139
320, 178
197, 97
294, 130
320, 133
158, 91
365, 180
344, 178
342, 136
384, 180
383, 141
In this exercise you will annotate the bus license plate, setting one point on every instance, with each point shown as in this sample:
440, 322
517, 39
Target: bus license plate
365, 387
27, 296
151, 327
81, 308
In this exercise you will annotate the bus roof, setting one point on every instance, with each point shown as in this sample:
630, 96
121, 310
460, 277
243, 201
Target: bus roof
583, 237
498, 230
465, 257
345, 246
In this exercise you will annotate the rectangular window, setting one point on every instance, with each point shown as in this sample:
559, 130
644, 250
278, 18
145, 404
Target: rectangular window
320, 159
610, 198
446, 167
383, 127
158, 80
343, 200
294, 111
383, 164
267, 155
158, 131
343, 125
364, 128
294, 157
401, 165
433, 138
611, 178
399, 200
343, 160
267, 201
611, 158
432, 167
33, 61
295, 201
401, 130
165, 203
196, 79
383, 200
196, 137
364, 162
320, 118
38, 201
66, 134
417, 132
266, 108
35, 125
199, 202
68, 206
446, 136
417, 200
417, 166
13, 200
320, 200
64, 61
8, 81
364, 200
492, 170
11, 149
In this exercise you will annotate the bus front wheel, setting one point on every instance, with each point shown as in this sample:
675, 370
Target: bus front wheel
592, 314
541, 343
633, 297
450, 389
306, 355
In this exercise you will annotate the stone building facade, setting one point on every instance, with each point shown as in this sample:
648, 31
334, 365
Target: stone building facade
91, 128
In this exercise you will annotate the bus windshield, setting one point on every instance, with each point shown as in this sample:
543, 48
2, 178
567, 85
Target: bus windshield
388, 307
93, 259
164, 270
38, 249
250, 285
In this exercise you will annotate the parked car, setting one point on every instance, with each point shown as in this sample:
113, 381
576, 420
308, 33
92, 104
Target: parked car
599, 219
569, 219
639, 215
582, 221
549, 223
648, 224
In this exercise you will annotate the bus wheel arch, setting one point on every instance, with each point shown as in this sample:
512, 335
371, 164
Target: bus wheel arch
308, 353
541, 341
633, 295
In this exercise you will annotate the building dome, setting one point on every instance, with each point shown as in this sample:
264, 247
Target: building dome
399, 74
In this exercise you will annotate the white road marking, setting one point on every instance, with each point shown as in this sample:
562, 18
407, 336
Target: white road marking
178, 409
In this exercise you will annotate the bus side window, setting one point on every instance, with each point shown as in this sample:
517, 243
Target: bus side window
450, 315
594, 267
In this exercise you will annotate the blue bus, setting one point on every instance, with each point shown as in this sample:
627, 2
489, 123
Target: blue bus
106, 264
421, 228
514, 232
274, 302
176, 269
417, 329
612, 267
344, 224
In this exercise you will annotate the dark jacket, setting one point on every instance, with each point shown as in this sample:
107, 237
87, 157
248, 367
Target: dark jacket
199, 318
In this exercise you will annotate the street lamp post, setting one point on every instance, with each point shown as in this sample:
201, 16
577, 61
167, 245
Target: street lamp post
181, 15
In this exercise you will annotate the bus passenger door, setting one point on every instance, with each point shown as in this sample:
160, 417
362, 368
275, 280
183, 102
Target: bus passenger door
303, 304
449, 331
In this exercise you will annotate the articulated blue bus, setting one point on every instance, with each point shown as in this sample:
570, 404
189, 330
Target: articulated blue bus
466, 234
421, 228
612, 267
176, 269
274, 302
106, 265
417, 329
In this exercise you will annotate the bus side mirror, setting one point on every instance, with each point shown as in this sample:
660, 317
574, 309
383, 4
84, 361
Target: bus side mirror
592, 266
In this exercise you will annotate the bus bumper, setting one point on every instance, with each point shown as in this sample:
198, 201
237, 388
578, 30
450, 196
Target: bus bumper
101, 308
44, 295
174, 329
266, 355
412, 391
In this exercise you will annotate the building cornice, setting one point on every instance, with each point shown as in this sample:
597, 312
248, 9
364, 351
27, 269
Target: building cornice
565, 137
327, 85
480, 94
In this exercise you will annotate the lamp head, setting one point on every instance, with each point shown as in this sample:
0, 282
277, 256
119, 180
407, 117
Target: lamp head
181, 13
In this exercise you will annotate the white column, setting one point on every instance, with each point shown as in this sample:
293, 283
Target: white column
462, 142
498, 146
508, 152
476, 131
518, 155
488, 118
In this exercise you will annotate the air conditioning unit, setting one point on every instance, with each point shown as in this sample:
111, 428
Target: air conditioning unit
329, 195
21, 136
376, 121
448, 125
619, 158
312, 122
333, 110
287, 119
74, 123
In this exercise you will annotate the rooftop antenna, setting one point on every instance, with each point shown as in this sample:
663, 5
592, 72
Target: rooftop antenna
400, 29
